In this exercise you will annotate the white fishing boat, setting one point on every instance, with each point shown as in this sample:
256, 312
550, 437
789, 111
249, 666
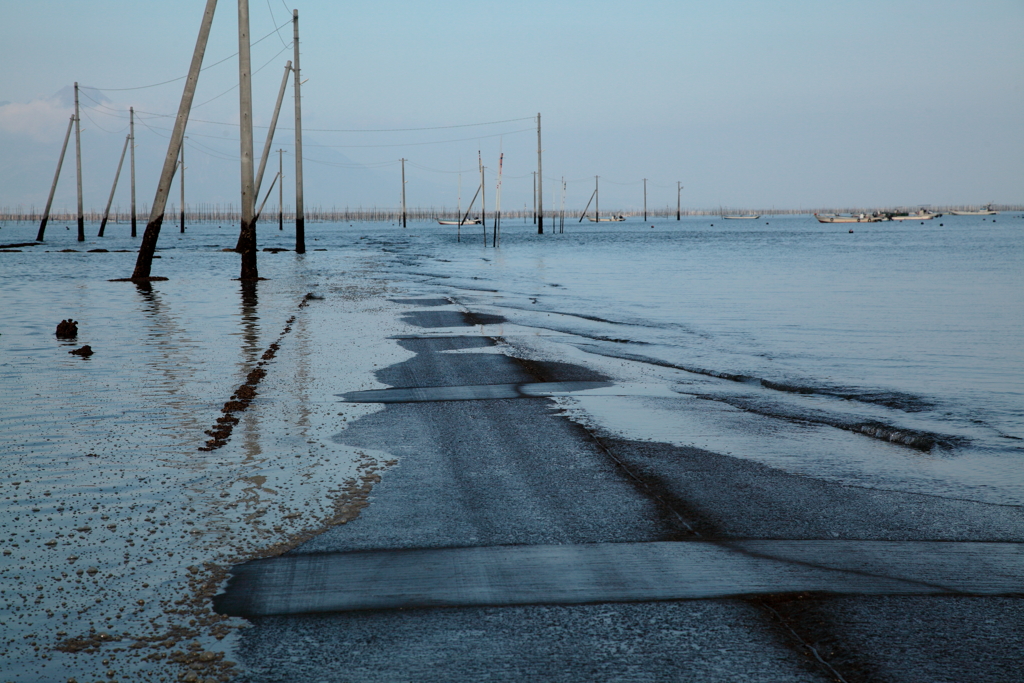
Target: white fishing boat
987, 211
607, 219
919, 215
471, 221
742, 217
836, 218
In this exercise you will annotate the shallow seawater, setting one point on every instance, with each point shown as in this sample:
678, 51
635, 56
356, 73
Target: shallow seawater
768, 340
114, 523
784, 337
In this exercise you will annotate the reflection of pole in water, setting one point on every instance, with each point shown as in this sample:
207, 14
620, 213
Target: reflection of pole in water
250, 356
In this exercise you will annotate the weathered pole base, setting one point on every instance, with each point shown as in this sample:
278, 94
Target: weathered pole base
540, 225
81, 229
300, 235
247, 242
144, 263
42, 229
103, 226
134, 230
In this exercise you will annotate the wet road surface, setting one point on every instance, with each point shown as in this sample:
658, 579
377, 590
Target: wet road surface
507, 488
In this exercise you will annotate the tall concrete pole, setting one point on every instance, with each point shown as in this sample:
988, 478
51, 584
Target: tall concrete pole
181, 183
110, 199
679, 190
78, 167
540, 184
144, 263
597, 203
300, 216
53, 187
645, 200
403, 193
483, 199
131, 133
534, 174
280, 189
247, 234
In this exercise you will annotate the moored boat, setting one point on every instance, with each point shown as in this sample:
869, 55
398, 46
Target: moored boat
859, 218
741, 218
471, 221
919, 215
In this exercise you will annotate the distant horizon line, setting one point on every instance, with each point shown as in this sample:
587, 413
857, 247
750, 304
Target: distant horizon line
211, 212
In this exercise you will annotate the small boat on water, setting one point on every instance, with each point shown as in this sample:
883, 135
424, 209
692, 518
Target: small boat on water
837, 218
741, 218
987, 211
609, 219
919, 215
471, 221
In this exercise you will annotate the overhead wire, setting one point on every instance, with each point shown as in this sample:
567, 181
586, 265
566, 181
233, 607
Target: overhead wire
181, 78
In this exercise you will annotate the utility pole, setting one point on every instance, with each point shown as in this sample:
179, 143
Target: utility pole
53, 187
534, 174
273, 127
144, 263
483, 197
679, 190
403, 193
110, 199
78, 167
300, 216
597, 203
645, 200
258, 184
280, 189
540, 184
131, 133
181, 183
250, 270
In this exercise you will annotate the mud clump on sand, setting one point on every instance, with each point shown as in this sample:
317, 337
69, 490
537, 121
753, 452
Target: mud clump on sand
67, 329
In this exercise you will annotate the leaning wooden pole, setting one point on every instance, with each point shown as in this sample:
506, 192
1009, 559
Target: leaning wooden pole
273, 126
78, 167
131, 133
117, 174
300, 217
144, 263
247, 232
540, 184
53, 186
266, 147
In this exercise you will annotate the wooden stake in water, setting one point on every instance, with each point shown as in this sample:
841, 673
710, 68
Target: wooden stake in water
534, 174
300, 216
53, 186
117, 174
78, 167
645, 200
679, 190
280, 189
131, 134
250, 270
597, 203
144, 263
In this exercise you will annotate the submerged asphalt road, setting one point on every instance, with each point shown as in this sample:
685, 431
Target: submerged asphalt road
493, 475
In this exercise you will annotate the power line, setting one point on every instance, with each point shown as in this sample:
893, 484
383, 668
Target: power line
181, 78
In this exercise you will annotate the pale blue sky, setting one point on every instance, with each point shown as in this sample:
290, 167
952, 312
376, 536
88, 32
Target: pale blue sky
749, 104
